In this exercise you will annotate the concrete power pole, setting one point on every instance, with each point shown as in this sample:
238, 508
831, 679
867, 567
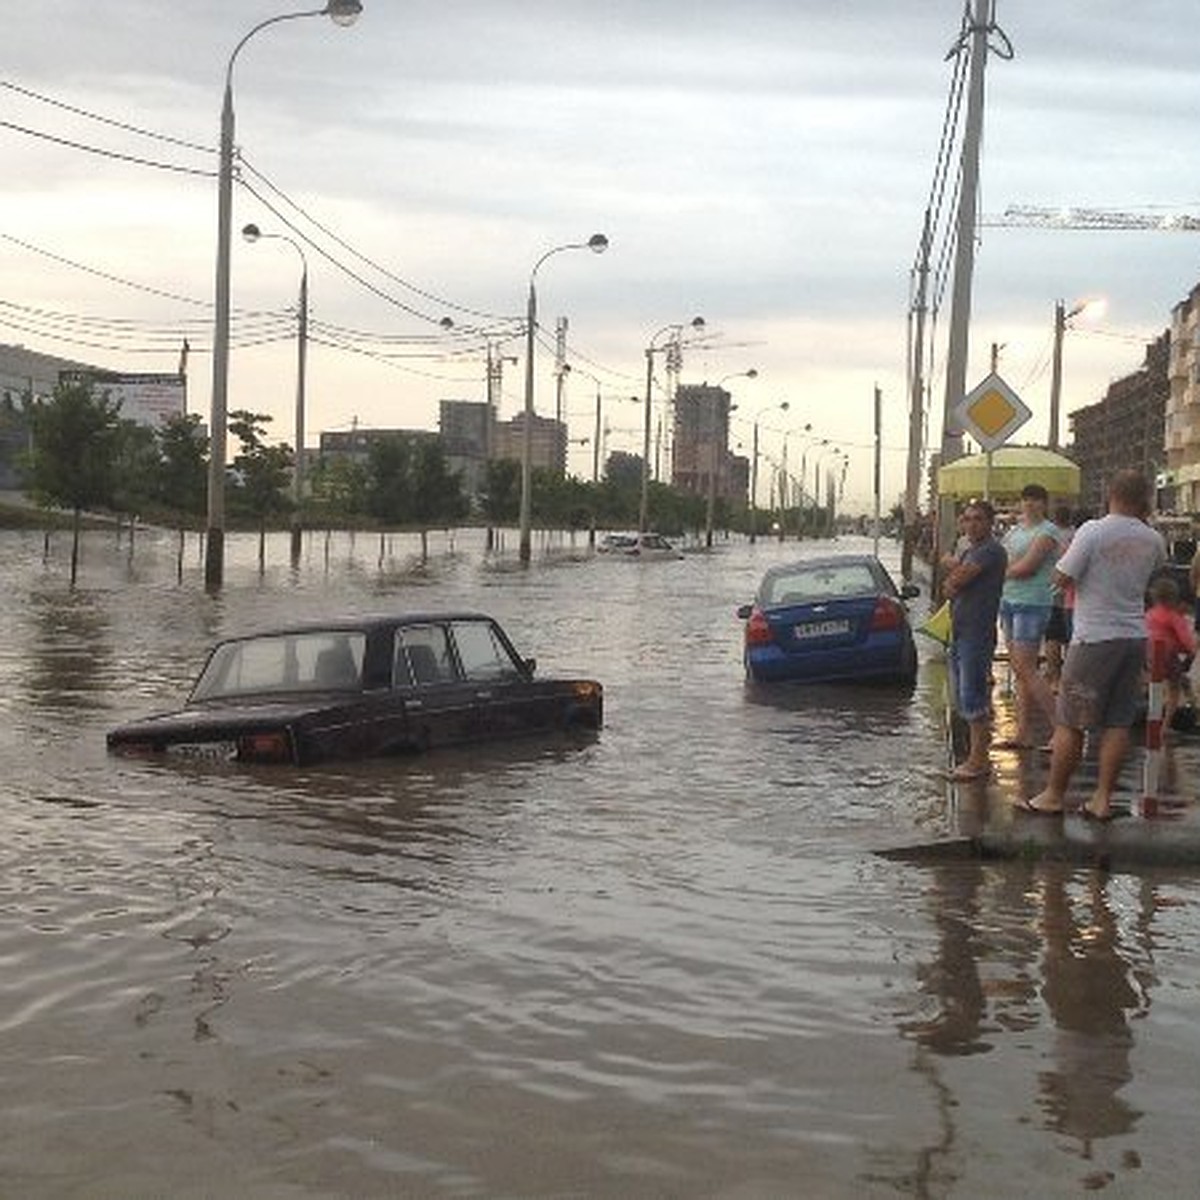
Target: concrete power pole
976, 36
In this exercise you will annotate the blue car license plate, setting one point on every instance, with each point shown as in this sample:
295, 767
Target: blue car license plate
820, 629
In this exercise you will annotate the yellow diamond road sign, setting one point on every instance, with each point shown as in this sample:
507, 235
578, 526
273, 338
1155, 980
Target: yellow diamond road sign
992, 413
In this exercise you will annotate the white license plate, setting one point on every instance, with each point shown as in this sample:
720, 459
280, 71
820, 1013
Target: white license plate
204, 751
819, 629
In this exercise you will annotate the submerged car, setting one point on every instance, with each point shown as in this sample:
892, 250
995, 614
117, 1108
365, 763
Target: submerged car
838, 617
363, 687
637, 545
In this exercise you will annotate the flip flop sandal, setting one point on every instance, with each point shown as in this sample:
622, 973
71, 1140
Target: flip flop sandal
1023, 806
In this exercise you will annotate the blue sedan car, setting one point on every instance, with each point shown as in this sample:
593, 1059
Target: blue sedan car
838, 617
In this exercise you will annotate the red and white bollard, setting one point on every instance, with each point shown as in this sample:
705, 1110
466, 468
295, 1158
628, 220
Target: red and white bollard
1156, 701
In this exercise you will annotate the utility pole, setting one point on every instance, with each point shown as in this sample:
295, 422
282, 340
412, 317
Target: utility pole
1060, 327
976, 35
561, 370
916, 406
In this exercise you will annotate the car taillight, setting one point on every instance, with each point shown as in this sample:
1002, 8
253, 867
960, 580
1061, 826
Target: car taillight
265, 747
887, 615
758, 632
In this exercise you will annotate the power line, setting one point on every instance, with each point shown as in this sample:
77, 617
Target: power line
100, 151
91, 116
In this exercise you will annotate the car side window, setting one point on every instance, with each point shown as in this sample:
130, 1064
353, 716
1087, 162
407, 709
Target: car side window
422, 656
481, 653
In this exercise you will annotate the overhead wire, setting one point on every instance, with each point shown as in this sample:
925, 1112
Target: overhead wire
509, 325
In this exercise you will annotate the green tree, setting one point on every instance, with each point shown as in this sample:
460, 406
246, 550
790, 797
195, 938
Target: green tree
339, 486
72, 461
389, 480
181, 480
135, 469
502, 491
263, 473
436, 494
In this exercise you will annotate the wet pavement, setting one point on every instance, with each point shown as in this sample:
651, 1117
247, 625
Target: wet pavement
1150, 827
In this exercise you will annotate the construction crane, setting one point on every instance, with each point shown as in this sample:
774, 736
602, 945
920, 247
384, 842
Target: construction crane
1030, 216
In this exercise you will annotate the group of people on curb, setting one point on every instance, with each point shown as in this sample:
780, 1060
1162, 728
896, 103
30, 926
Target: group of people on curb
1092, 583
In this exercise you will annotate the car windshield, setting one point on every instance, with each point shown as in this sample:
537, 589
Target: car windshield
322, 660
804, 585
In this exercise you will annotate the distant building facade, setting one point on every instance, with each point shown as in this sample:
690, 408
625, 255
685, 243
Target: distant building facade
467, 435
548, 442
23, 374
1183, 405
1125, 429
701, 439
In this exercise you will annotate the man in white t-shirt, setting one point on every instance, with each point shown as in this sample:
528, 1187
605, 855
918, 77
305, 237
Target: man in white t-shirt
1109, 562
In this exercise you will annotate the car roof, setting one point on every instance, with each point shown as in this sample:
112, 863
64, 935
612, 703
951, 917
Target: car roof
364, 622
824, 560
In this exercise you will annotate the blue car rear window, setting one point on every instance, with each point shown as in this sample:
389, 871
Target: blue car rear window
820, 583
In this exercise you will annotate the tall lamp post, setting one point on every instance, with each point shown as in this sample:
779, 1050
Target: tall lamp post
342, 12
782, 406
675, 330
824, 449
714, 445
597, 243
252, 234
1062, 320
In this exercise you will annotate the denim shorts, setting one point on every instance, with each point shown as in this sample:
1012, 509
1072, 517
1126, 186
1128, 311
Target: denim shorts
1024, 622
970, 664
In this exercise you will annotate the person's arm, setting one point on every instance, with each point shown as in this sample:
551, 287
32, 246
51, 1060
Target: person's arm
1031, 561
1185, 632
960, 576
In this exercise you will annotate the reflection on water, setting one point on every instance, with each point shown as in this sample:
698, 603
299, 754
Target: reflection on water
1055, 966
660, 963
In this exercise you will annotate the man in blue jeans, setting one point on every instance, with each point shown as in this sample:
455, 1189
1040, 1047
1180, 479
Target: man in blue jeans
973, 580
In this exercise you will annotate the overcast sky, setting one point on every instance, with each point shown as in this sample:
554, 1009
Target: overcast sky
764, 164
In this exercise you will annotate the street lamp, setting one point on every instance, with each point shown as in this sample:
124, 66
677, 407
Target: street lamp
597, 243
676, 332
1062, 318
782, 406
715, 444
252, 234
342, 12
824, 449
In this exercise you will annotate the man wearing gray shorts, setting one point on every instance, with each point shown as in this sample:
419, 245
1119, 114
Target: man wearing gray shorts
1110, 562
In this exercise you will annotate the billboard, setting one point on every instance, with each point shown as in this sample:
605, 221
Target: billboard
145, 399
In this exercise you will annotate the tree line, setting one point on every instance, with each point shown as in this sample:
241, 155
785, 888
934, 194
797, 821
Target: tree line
84, 457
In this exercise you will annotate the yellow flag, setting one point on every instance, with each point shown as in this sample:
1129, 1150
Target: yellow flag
937, 625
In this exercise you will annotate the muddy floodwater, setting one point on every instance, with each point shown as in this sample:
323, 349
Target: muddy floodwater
666, 963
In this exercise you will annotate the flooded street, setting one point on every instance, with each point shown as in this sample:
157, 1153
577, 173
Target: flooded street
666, 963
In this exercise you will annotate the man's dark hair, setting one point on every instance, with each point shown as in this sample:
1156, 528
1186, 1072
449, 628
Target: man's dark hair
1035, 491
983, 506
1132, 489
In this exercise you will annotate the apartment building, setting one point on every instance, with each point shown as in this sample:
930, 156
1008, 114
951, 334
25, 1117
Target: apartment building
1183, 405
1124, 429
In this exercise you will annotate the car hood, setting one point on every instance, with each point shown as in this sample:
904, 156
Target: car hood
214, 715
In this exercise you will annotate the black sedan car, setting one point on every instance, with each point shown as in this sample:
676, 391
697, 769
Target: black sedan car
363, 687
838, 617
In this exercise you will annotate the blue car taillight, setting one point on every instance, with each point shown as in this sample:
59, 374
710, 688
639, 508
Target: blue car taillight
888, 615
758, 631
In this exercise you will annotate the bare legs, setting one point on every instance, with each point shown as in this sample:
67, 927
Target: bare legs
978, 757
1032, 689
1067, 747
